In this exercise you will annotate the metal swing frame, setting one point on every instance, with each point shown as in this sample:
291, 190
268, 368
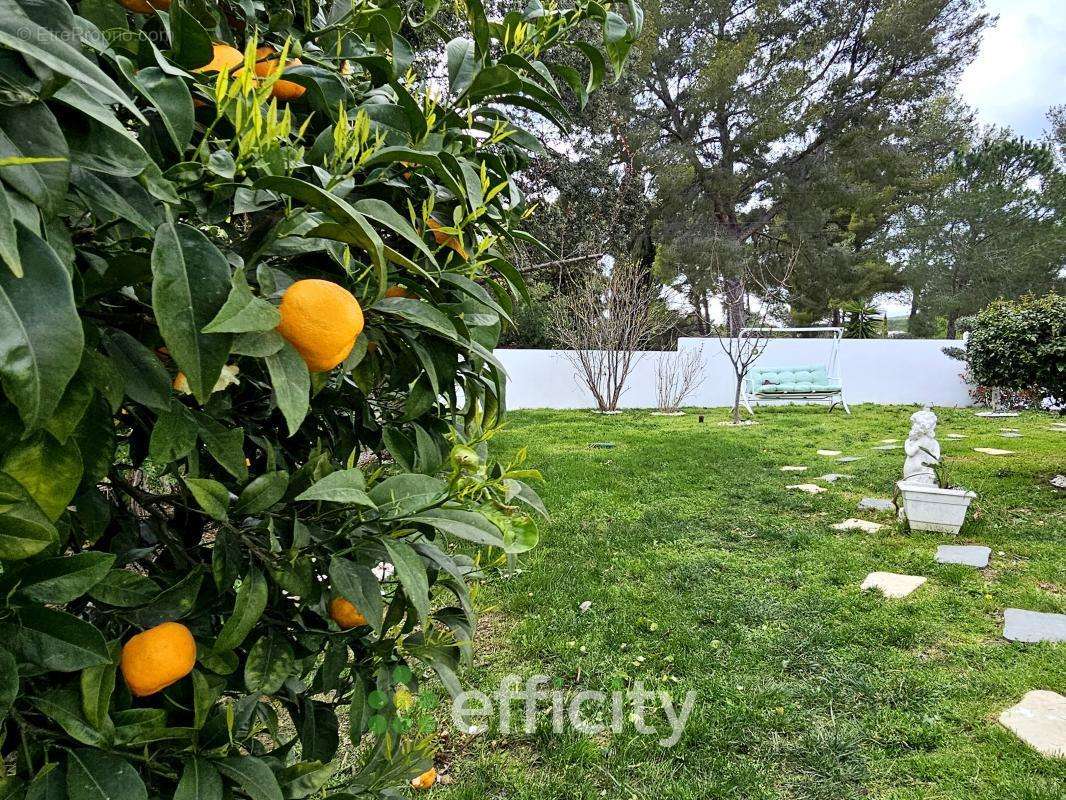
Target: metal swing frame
832, 370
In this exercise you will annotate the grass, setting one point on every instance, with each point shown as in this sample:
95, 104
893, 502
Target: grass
704, 573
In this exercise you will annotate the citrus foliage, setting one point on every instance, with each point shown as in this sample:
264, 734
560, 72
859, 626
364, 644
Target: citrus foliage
166, 456
1020, 345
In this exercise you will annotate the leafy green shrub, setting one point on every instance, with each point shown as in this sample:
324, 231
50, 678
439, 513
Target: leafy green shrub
1020, 345
165, 454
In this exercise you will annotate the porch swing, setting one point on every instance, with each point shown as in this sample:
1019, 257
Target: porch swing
798, 381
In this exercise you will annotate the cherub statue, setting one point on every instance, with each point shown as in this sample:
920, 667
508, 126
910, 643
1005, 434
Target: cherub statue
922, 449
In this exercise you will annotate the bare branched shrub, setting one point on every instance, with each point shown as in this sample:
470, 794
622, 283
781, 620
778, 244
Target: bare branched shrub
606, 325
766, 272
677, 377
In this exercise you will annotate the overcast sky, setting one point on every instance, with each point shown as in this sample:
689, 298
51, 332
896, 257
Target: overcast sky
1021, 69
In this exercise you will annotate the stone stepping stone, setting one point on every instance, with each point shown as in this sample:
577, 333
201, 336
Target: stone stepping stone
809, 488
833, 477
1011, 435
1009, 430
891, 584
1039, 720
849, 459
829, 452
852, 524
876, 504
1059, 481
887, 447
994, 451
996, 414
955, 436
1020, 625
791, 468
971, 555
889, 441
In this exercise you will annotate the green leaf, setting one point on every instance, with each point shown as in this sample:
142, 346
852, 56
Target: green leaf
59, 641
359, 586
144, 378
258, 345
96, 775
262, 493
173, 435
401, 495
199, 781
124, 589
9, 250
191, 281
467, 525
252, 775
520, 531
318, 730
170, 97
248, 608
390, 155
343, 486
292, 385
97, 686
340, 210
63, 706
306, 778
49, 784
23, 35
380, 211
35, 155
191, 43
243, 312
462, 65
48, 470
60, 580
9, 682
226, 446
411, 572
24, 528
206, 690
358, 710
170, 604
71, 409
211, 496
270, 662
415, 311
41, 337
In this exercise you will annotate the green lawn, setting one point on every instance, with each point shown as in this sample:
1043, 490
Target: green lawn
705, 573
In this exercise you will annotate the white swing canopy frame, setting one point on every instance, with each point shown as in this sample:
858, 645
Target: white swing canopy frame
789, 383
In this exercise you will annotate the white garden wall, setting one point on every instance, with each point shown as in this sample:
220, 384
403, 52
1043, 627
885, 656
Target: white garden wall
873, 371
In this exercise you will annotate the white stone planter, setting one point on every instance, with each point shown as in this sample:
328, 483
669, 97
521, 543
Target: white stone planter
929, 508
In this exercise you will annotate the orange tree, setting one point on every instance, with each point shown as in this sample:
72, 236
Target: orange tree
254, 267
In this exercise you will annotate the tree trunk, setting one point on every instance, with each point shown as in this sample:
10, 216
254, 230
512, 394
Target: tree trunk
733, 305
736, 402
952, 331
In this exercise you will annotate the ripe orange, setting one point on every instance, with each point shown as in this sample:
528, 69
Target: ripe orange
158, 657
446, 239
426, 779
282, 89
225, 58
345, 614
321, 320
143, 6
398, 291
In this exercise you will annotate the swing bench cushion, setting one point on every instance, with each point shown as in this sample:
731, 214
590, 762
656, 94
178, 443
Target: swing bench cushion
791, 380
